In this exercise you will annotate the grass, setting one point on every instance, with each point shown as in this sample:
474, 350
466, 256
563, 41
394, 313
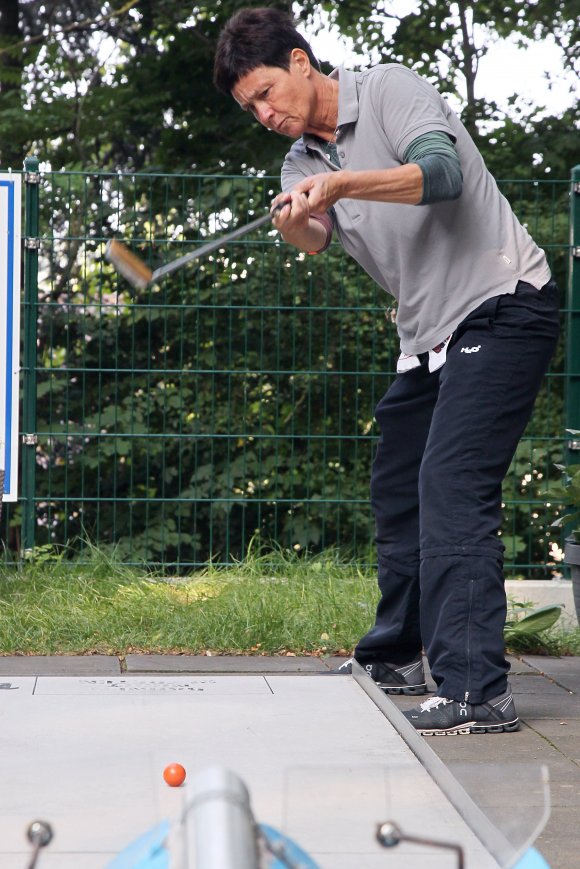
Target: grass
272, 603
560, 643
275, 603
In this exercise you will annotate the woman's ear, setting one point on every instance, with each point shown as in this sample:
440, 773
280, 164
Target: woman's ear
300, 60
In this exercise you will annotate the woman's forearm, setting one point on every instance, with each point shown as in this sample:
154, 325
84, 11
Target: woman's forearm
403, 184
313, 238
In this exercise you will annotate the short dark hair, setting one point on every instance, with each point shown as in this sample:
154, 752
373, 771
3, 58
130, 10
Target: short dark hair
253, 38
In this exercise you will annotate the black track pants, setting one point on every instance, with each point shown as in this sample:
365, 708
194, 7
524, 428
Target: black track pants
447, 440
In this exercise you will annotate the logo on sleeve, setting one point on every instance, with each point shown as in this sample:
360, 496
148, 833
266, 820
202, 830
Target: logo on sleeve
471, 349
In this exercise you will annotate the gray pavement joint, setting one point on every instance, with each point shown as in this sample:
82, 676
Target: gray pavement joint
552, 744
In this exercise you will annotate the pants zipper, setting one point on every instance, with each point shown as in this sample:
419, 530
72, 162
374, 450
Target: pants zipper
468, 647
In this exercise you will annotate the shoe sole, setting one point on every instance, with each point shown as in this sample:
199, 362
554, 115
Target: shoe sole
473, 727
409, 690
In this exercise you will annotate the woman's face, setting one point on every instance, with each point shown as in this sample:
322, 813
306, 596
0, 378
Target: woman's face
279, 99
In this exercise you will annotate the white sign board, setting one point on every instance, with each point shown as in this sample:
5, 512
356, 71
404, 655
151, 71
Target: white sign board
10, 242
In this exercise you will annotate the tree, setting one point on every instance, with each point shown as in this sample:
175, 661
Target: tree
445, 41
11, 66
93, 86
126, 86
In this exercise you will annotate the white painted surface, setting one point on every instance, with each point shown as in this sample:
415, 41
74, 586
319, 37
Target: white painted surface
320, 760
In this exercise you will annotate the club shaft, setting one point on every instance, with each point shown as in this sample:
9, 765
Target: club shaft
34, 856
210, 246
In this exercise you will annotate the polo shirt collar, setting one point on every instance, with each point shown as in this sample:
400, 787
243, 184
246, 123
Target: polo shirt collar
347, 102
347, 95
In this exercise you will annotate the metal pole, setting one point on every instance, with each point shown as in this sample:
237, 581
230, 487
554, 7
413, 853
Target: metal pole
29, 360
221, 833
573, 323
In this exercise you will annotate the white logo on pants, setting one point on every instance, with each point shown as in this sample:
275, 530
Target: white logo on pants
471, 349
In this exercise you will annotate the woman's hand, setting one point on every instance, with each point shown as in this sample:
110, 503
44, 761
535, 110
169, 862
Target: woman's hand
294, 214
322, 190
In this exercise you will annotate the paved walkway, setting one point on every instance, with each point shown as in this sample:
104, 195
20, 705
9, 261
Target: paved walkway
547, 694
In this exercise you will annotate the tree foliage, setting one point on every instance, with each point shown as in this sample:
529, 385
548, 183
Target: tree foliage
446, 41
126, 85
118, 86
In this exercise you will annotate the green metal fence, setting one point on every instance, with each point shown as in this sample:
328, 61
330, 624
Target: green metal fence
234, 401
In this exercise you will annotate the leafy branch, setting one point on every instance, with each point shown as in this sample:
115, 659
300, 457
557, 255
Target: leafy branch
77, 26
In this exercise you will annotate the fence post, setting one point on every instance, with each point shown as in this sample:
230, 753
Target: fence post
573, 324
29, 360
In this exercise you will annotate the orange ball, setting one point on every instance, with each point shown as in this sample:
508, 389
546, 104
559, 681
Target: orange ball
174, 775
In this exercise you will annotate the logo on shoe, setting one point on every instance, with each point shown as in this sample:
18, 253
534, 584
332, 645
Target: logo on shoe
471, 349
462, 709
369, 668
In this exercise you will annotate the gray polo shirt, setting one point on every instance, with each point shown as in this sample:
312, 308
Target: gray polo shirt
439, 261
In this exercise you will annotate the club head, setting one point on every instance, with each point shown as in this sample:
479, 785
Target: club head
128, 265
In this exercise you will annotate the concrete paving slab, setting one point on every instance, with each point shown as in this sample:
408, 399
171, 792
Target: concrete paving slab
513, 796
562, 735
88, 757
309, 788
23, 684
569, 681
222, 664
564, 671
534, 683
59, 665
561, 706
519, 666
565, 793
560, 839
552, 665
558, 729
